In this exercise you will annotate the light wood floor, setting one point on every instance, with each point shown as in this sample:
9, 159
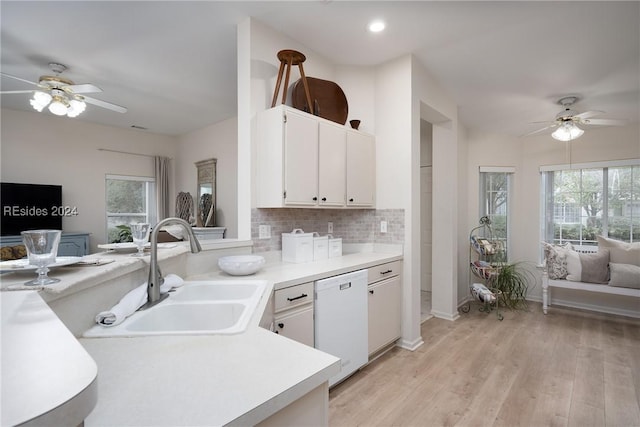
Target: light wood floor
569, 368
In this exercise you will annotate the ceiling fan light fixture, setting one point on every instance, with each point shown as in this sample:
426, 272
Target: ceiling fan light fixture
568, 131
61, 95
40, 100
76, 107
58, 102
58, 106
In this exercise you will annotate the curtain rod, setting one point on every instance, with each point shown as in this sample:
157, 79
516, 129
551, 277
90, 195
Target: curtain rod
127, 152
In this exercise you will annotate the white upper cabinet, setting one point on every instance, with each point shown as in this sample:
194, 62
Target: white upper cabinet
361, 169
332, 153
307, 161
300, 160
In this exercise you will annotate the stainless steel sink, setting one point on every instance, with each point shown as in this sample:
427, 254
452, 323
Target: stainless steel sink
198, 307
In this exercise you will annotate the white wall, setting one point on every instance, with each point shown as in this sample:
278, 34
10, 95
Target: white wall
463, 207
219, 141
357, 84
394, 155
426, 143
432, 103
39, 148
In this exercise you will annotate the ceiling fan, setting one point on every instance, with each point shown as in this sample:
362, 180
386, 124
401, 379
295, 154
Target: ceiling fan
63, 96
567, 121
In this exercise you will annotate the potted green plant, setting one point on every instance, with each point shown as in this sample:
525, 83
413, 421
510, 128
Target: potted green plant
513, 281
123, 234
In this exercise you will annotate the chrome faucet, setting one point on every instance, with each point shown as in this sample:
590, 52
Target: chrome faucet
155, 276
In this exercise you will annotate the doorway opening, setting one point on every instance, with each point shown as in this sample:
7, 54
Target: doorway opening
426, 190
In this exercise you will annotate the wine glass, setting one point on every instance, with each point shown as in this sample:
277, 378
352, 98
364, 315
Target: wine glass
140, 234
42, 248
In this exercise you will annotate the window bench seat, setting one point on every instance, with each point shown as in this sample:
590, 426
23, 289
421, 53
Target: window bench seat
604, 288
589, 287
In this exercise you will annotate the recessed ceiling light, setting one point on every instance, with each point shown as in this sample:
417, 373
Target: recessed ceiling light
376, 26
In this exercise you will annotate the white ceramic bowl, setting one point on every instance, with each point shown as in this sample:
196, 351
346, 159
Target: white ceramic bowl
241, 265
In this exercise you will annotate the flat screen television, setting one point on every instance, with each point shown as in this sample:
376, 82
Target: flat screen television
30, 207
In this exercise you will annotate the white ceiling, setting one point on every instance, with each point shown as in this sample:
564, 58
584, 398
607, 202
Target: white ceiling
173, 64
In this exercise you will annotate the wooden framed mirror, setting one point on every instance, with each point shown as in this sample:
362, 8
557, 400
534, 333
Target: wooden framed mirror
206, 201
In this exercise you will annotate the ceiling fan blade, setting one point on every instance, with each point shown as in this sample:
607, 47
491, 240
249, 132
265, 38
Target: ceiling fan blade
83, 88
104, 104
604, 122
16, 91
541, 130
18, 78
588, 114
544, 121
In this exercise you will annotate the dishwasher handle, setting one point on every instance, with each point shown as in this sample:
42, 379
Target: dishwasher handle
344, 286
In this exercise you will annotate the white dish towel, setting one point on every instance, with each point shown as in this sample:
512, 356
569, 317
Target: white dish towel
133, 301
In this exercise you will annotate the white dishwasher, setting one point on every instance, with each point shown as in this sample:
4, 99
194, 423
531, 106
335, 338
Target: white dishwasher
340, 323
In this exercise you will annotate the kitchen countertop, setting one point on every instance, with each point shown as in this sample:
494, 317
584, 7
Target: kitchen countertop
47, 377
210, 379
284, 275
76, 277
202, 380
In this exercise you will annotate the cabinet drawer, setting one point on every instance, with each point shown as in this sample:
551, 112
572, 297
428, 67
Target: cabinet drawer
293, 296
384, 271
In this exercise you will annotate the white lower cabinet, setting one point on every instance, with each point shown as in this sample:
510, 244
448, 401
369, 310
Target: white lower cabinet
385, 305
293, 313
292, 309
296, 324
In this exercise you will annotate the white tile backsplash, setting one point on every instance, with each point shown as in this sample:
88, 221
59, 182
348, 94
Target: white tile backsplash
351, 225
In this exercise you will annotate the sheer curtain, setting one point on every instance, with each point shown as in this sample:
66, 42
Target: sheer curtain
162, 165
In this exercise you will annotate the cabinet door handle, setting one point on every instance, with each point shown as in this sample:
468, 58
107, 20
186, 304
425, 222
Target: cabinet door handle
324, 199
280, 325
298, 297
386, 272
371, 291
351, 200
315, 199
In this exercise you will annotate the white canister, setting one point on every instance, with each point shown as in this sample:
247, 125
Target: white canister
320, 247
297, 246
335, 247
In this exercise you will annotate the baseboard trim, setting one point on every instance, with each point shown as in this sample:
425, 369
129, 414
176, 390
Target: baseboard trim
445, 316
410, 345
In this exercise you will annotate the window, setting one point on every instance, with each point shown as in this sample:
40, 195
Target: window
495, 189
585, 201
129, 199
